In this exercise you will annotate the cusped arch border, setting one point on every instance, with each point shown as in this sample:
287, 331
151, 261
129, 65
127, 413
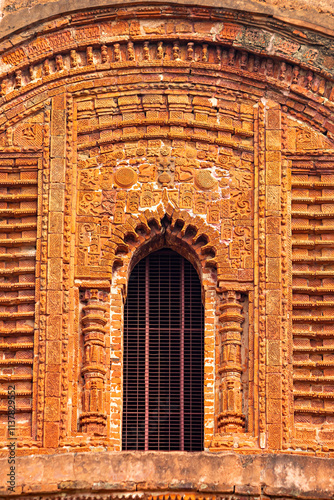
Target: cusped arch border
188, 234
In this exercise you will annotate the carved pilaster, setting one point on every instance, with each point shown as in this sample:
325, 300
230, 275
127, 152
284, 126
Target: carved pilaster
230, 418
93, 420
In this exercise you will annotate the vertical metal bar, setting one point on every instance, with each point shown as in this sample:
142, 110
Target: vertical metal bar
182, 360
190, 421
125, 388
138, 360
160, 355
170, 397
147, 350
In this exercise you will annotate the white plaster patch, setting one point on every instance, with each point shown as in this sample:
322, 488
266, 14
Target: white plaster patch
295, 478
216, 28
5, 68
271, 49
148, 27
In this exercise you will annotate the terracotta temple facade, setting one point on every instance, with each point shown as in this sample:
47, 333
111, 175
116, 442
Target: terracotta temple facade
207, 129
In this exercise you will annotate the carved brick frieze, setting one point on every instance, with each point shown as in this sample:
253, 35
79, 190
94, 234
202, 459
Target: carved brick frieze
129, 177
117, 45
237, 32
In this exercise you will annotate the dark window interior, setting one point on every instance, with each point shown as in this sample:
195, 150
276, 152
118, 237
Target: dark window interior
163, 405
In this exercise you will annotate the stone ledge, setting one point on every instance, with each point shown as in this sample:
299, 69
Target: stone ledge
279, 475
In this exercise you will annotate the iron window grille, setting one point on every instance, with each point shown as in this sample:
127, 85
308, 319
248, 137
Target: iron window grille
163, 406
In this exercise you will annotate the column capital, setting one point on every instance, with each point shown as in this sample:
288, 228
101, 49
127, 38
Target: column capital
93, 294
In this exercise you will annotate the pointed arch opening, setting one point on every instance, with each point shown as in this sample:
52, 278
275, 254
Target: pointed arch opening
163, 375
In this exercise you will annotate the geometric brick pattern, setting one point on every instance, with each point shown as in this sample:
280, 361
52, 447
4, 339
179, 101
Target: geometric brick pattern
18, 238
313, 292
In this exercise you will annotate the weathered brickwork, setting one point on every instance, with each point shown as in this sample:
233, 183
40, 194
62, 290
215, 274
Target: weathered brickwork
19, 192
126, 130
312, 283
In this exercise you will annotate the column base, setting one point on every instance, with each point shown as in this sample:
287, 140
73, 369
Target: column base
231, 422
93, 423
233, 441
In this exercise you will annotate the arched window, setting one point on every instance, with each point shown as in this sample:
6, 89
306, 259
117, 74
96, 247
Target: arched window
163, 404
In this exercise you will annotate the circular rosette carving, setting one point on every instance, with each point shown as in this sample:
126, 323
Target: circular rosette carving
164, 178
125, 177
204, 180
